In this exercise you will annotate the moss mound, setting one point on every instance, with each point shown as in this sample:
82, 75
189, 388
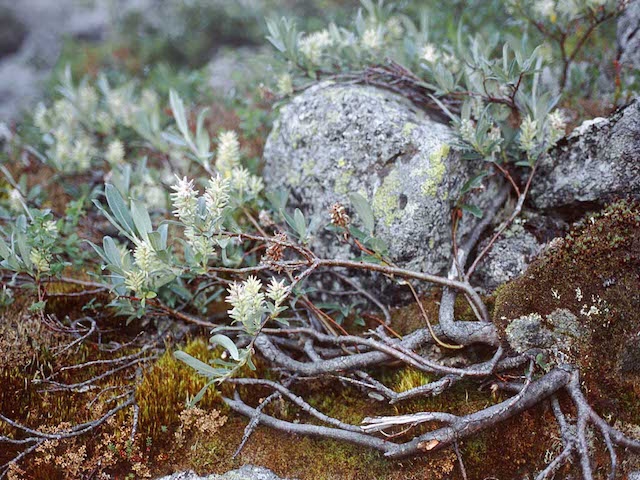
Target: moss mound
593, 273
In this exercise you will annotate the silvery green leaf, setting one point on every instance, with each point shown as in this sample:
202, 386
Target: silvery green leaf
164, 280
364, 211
360, 23
444, 108
278, 199
203, 141
163, 230
155, 239
290, 221
250, 363
275, 37
474, 182
473, 210
111, 251
141, 219
12, 262
174, 139
127, 261
21, 224
315, 223
444, 78
5, 252
119, 208
300, 223
121, 179
23, 247
223, 242
177, 107
226, 343
199, 366
378, 245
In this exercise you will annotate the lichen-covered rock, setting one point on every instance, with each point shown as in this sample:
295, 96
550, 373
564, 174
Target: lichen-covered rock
509, 257
336, 139
596, 163
246, 472
558, 336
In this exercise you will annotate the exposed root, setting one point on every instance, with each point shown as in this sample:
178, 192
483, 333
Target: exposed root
455, 428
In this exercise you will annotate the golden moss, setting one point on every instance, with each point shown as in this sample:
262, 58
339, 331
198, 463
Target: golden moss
167, 386
408, 378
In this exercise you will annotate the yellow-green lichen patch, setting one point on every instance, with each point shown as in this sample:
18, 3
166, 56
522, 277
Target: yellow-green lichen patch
385, 199
307, 167
342, 183
436, 170
339, 93
333, 116
294, 178
408, 128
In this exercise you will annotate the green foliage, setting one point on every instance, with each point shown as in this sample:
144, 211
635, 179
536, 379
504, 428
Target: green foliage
480, 63
485, 75
30, 245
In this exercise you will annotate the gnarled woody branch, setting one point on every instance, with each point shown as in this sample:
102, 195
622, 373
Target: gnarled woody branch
456, 429
382, 353
470, 424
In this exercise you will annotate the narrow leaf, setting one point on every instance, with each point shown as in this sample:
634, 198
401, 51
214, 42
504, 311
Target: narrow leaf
5, 252
141, 219
201, 367
473, 210
119, 208
226, 343
364, 211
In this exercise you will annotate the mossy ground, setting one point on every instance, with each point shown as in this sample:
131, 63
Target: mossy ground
165, 385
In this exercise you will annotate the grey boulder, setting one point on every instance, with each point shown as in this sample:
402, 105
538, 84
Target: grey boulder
335, 139
598, 162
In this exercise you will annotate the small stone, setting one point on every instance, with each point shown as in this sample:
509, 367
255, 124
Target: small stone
246, 472
509, 257
558, 335
12, 32
528, 333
